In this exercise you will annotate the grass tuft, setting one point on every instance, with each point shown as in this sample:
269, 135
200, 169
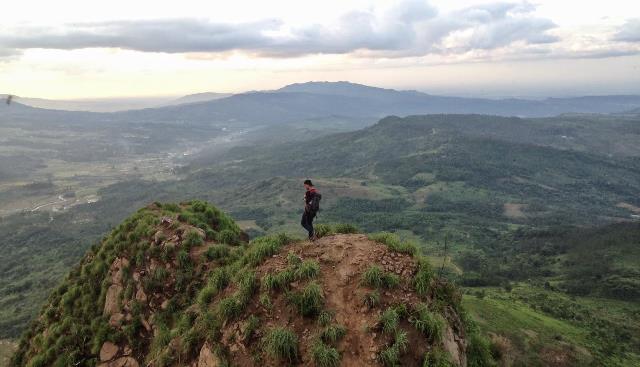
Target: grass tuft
282, 343
375, 277
394, 243
309, 301
389, 320
333, 333
428, 323
324, 355
371, 299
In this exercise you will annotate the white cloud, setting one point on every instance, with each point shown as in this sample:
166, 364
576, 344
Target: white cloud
629, 32
410, 28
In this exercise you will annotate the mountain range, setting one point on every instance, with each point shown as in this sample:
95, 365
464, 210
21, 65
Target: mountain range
311, 100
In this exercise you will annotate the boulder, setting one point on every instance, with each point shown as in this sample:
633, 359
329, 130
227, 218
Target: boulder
111, 300
108, 351
206, 358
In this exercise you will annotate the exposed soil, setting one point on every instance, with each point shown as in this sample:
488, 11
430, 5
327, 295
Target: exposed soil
342, 259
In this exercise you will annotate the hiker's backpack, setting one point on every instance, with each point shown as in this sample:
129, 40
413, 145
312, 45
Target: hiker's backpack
315, 202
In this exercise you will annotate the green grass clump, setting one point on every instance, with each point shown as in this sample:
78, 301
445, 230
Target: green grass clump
478, 351
333, 333
371, 299
428, 323
345, 228
219, 279
247, 286
309, 301
322, 230
324, 355
375, 277
307, 269
281, 343
394, 243
423, 278
390, 356
263, 247
265, 301
217, 252
293, 259
278, 281
229, 308
389, 320
192, 239
252, 324
206, 295
437, 357
325, 317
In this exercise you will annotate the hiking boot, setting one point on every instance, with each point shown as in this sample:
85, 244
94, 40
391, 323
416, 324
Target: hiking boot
313, 238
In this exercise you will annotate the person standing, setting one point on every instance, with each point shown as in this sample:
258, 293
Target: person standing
311, 206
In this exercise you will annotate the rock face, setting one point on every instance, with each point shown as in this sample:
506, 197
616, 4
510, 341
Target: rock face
454, 348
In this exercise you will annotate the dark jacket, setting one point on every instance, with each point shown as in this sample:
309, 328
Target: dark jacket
308, 199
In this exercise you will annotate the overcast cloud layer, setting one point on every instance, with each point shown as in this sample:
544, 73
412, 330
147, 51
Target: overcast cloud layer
411, 28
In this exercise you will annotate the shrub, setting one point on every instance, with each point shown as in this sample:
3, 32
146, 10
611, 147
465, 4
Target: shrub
309, 301
428, 323
282, 344
324, 355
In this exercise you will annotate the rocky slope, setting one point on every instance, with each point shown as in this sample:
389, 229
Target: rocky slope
178, 285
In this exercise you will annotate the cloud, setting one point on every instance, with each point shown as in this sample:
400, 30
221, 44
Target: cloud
629, 32
410, 28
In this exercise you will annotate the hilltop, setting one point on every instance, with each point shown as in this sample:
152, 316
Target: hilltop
178, 285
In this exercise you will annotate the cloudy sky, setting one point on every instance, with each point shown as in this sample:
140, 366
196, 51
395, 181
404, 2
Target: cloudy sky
85, 49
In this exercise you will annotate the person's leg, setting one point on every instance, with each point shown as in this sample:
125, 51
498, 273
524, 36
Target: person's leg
305, 223
311, 231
